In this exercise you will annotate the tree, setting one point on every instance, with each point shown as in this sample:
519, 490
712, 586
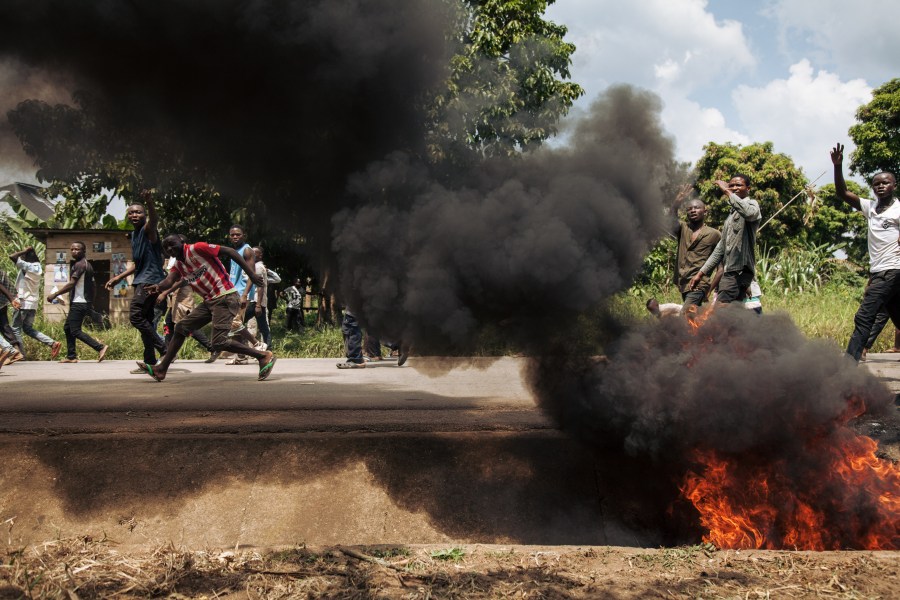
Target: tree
877, 133
774, 181
505, 92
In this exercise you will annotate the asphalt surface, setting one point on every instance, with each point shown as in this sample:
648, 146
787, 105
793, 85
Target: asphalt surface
426, 394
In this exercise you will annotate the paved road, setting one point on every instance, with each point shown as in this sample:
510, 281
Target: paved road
301, 395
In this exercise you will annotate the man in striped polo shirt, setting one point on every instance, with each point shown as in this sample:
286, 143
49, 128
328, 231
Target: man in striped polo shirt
199, 265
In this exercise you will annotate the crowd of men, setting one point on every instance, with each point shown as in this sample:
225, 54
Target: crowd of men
724, 263
167, 272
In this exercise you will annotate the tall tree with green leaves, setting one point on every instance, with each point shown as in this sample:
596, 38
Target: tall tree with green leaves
877, 133
506, 87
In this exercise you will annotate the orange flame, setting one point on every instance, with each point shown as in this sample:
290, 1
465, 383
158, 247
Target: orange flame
845, 498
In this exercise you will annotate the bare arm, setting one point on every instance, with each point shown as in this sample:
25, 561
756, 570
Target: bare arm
171, 279
15, 255
114, 280
150, 227
249, 269
840, 186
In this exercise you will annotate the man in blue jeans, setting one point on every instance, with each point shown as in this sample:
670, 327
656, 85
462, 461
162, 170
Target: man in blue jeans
883, 217
28, 284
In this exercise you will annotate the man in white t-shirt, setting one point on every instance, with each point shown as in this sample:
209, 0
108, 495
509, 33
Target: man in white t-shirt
28, 284
883, 217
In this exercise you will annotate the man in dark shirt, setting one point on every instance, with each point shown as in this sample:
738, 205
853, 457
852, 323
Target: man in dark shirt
81, 295
146, 251
696, 242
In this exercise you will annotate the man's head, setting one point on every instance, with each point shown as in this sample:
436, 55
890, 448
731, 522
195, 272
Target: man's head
739, 185
77, 250
237, 236
30, 255
653, 306
695, 210
258, 253
884, 184
298, 283
173, 245
136, 214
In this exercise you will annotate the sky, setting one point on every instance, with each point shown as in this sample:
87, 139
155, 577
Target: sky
792, 72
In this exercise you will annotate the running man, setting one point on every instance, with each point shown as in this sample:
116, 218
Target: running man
146, 252
199, 264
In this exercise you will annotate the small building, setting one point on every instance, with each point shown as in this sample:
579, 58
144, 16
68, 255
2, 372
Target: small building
108, 251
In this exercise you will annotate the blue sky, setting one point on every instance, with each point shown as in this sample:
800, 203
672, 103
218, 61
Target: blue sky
791, 72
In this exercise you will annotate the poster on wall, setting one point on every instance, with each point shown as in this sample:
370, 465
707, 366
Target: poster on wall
60, 256
101, 247
61, 273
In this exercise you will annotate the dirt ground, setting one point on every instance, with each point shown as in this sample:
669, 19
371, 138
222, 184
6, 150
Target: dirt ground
86, 568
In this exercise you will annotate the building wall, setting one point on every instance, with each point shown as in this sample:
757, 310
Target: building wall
109, 252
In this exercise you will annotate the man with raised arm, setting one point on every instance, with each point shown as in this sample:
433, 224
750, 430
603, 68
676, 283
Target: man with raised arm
737, 248
199, 264
883, 217
146, 252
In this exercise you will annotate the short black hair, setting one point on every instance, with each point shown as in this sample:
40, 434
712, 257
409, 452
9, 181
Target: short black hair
141, 204
82, 244
238, 226
746, 178
894, 177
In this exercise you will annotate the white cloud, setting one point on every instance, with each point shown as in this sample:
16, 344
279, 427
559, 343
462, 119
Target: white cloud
673, 42
694, 126
858, 38
803, 115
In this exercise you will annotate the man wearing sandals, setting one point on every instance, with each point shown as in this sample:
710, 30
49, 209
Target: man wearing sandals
199, 264
81, 297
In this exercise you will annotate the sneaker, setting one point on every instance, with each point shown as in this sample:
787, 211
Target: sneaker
68, 360
372, 358
261, 346
238, 360
54, 349
351, 365
213, 356
138, 371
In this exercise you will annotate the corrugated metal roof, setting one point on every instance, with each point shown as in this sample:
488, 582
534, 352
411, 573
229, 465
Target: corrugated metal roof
31, 197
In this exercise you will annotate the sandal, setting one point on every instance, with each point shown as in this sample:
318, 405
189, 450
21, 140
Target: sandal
150, 372
266, 369
351, 365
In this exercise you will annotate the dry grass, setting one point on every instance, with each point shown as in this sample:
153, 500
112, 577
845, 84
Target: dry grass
87, 568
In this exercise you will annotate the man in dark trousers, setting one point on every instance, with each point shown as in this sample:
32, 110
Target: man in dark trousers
199, 264
81, 296
146, 252
736, 251
883, 217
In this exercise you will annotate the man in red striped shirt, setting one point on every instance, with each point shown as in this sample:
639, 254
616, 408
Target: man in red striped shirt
199, 266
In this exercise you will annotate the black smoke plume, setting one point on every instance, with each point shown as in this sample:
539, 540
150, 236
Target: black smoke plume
277, 100
519, 249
